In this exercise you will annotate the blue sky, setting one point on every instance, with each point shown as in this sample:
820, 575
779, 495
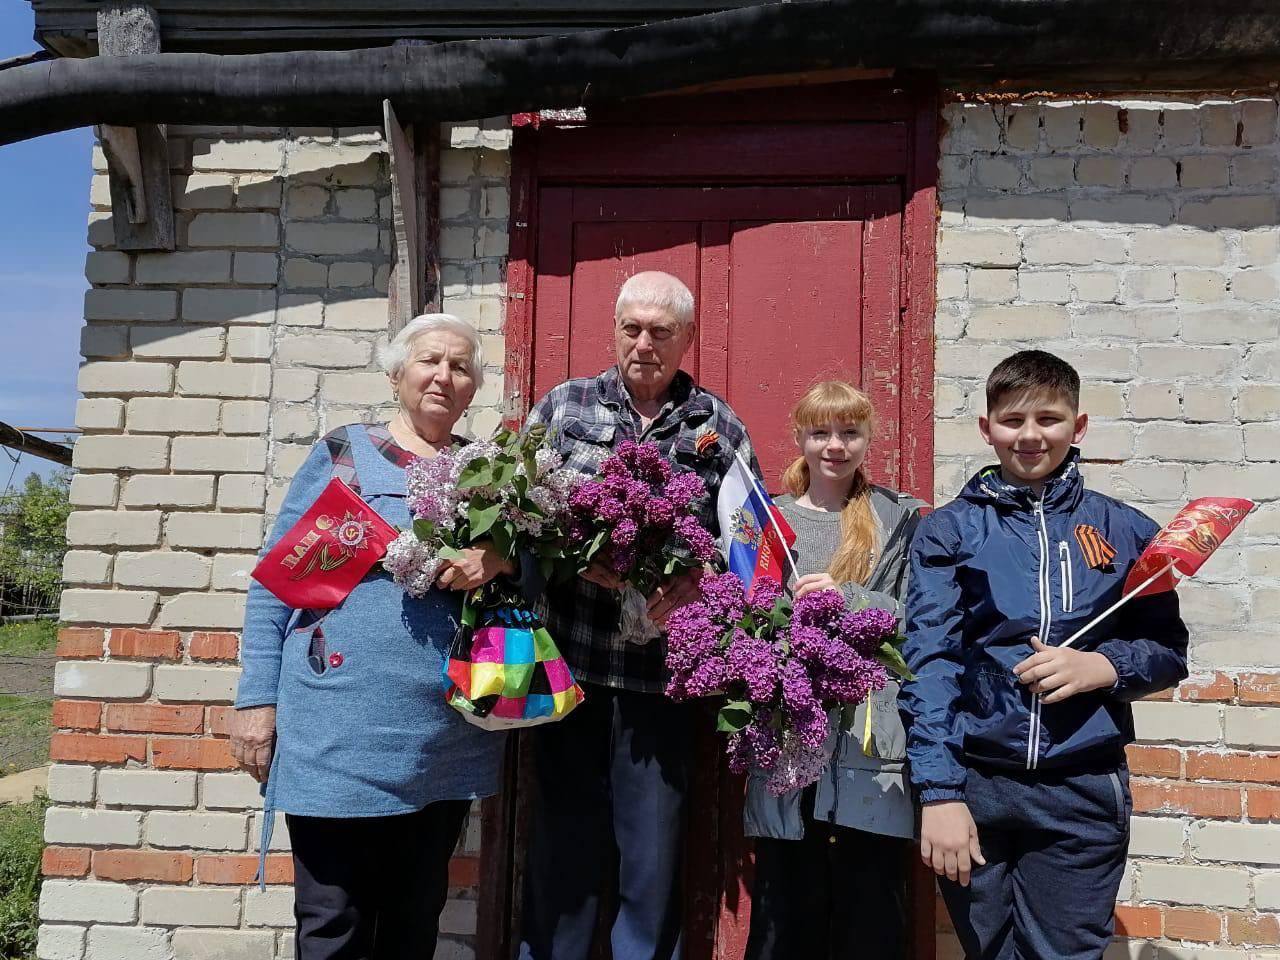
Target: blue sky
44, 203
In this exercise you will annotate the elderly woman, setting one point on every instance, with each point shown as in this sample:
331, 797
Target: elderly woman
342, 713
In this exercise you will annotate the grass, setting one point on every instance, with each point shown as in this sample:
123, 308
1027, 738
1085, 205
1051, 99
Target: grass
21, 831
26, 639
25, 727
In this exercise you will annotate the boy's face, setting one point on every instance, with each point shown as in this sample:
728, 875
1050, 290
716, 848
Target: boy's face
1032, 433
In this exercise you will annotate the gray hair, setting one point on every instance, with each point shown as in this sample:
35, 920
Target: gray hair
653, 288
392, 356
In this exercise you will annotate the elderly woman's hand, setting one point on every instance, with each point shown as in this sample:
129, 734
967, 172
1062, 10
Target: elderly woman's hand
476, 567
253, 739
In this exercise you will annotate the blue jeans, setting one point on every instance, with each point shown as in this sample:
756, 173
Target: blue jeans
1055, 846
610, 809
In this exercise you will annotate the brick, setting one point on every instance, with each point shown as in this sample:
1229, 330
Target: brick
234, 230
87, 901
124, 378
237, 155
163, 568
57, 942
307, 202
218, 720
199, 684
1267, 886
1100, 171
300, 274
106, 267
173, 415
104, 680
1254, 286
259, 191
191, 907
128, 943
80, 643
245, 416
134, 865
1253, 727
65, 861
979, 248
178, 754
77, 714
1148, 286
220, 454
1233, 211
270, 908
90, 748
1216, 686
114, 304
1197, 800
1195, 443
1259, 688
214, 530
65, 825
1251, 767
107, 606
1154, 761
331, 238
121, 453
249, 343
241, 871
1134, 921
1188, 723
214, 646
1252, 928
185, 266
246, 306
1237, 842
202, 191
280, 839
353, 388
93, 490
1073, 247
335, 164
361, 313
1228, 326
113, 527
196, 831
144, 644
241, 492
196, 378
86, 567
147, 788
154, 718
1202, 925
232, 791
102, 413
1262, 804
1178, 883
71, 783
1155, 836
1018, 322
1262, 441
323, 351
203, 944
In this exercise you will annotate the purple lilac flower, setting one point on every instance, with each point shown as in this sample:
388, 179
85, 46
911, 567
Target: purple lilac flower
683, 489
756, 745
866, 629
764, 594
754, 662
797, 765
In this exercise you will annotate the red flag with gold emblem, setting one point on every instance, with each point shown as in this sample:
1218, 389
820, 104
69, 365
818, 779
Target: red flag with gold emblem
326, 553
1185, 543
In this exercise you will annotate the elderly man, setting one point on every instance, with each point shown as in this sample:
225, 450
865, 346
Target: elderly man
615, 773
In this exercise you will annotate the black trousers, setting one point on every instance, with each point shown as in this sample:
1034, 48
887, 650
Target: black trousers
837, 894
372, 888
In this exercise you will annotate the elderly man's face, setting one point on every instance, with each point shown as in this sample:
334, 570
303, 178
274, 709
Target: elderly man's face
650, 343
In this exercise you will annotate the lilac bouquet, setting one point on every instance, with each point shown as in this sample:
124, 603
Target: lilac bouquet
637, 518
511, 490
783, 668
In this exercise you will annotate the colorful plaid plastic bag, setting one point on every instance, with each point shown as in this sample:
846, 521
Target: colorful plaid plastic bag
508, 672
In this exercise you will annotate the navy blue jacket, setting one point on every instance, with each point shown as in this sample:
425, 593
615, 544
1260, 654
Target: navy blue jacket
990, 570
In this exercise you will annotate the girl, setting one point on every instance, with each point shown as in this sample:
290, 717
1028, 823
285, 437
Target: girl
831, 859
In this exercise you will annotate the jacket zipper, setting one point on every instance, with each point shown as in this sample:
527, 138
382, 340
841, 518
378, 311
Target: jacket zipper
1068, 587
1046, 620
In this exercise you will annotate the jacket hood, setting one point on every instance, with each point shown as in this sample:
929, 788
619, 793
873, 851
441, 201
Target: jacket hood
1062, 491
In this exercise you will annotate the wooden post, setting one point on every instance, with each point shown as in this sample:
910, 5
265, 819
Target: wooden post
137, 157
415, 187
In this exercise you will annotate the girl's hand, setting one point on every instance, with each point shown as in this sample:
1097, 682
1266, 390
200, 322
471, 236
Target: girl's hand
812, 582
476, 567
1061, 672
949, 840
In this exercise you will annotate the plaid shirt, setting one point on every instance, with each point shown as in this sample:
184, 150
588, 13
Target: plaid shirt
586, 419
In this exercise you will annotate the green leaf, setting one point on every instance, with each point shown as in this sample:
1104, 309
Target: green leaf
594, 546
449, 553
734, 716
889, 656
504, 469
503, 536
424, 530
481, 516
477, 473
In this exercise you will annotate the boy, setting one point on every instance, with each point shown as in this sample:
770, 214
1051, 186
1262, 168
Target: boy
1016, 745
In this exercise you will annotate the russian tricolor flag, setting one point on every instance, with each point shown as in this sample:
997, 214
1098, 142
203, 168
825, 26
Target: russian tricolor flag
754, 536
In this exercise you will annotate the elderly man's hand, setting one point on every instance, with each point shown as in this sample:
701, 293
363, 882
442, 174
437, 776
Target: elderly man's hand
674, 592
253, 739
602, 576
476, 567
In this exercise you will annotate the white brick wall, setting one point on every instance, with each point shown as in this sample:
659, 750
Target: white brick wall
1139, 240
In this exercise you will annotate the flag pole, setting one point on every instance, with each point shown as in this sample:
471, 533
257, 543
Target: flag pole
1115, 606
773, 522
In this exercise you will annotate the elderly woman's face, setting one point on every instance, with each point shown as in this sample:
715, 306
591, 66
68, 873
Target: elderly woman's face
436, 381
650, 344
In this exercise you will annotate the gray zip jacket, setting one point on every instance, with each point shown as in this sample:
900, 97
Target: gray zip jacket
865, 790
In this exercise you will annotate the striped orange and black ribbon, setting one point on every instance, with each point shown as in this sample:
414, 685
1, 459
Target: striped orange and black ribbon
1097, 552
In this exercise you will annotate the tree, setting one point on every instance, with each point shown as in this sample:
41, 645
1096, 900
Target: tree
33, 539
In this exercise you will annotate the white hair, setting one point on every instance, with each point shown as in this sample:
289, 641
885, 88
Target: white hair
392, 356
653, 288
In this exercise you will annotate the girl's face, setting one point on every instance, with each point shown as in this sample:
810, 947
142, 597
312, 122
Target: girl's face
834, 450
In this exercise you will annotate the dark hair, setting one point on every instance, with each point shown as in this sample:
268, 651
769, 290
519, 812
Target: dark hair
1033, 370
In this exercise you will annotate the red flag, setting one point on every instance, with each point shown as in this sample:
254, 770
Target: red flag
326, 553
1186, 542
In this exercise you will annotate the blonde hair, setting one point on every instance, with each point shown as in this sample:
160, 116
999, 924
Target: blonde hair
835, 400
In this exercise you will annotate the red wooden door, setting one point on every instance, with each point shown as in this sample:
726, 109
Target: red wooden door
792, 285
803, 221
